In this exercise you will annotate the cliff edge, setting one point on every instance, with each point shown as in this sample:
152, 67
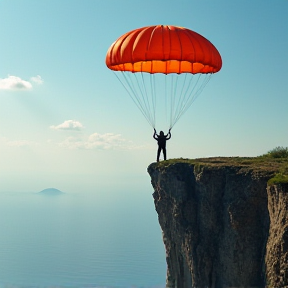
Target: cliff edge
223, 224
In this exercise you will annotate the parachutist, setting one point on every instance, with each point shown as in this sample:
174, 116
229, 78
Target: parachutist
161, 139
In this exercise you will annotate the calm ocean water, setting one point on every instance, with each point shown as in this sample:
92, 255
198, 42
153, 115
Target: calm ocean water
101, 239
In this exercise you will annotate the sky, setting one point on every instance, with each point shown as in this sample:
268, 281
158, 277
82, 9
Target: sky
67, 122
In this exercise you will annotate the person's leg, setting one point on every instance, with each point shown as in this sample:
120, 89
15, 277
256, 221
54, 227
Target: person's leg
158, 153
164, 153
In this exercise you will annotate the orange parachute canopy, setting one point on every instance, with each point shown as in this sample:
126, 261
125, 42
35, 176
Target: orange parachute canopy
178, 63
163, 49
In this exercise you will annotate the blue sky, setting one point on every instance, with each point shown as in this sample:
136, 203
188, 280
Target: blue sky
66, 121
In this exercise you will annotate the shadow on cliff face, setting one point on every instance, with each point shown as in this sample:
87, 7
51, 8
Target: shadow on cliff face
215, 223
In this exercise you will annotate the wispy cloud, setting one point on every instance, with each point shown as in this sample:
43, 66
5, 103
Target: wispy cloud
37, 79
21, 143
16, 83
107, 141
95, 141
68, 125
17, 143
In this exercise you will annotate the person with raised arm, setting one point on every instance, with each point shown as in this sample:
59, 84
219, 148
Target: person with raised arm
161, 139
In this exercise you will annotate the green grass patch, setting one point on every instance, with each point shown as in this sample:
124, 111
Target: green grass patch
274, 164
279, 178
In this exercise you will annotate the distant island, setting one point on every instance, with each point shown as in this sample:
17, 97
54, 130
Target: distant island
51, 191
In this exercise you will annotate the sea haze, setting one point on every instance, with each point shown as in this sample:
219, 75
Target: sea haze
106, 238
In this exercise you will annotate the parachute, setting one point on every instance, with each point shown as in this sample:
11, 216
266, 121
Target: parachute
164, 69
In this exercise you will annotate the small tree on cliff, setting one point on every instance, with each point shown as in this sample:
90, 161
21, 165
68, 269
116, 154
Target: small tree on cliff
278, 152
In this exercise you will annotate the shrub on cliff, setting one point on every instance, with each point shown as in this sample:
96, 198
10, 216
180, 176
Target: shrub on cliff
278, 152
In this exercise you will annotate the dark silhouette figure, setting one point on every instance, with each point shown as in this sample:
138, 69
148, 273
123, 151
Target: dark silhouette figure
161, 139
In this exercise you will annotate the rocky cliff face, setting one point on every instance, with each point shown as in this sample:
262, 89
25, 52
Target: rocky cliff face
277, 246
222, 226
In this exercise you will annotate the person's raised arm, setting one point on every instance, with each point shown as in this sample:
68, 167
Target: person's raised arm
155, 134
169, 135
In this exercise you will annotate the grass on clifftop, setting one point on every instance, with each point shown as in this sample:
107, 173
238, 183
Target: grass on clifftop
279, 153
274, 162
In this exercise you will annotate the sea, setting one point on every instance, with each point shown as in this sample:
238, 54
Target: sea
108, 238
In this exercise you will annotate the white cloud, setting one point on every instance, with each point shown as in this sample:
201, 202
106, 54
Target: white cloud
105, 141
98, 141
37, 79
16, 83
68, 125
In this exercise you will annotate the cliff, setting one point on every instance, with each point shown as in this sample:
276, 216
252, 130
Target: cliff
223, 225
